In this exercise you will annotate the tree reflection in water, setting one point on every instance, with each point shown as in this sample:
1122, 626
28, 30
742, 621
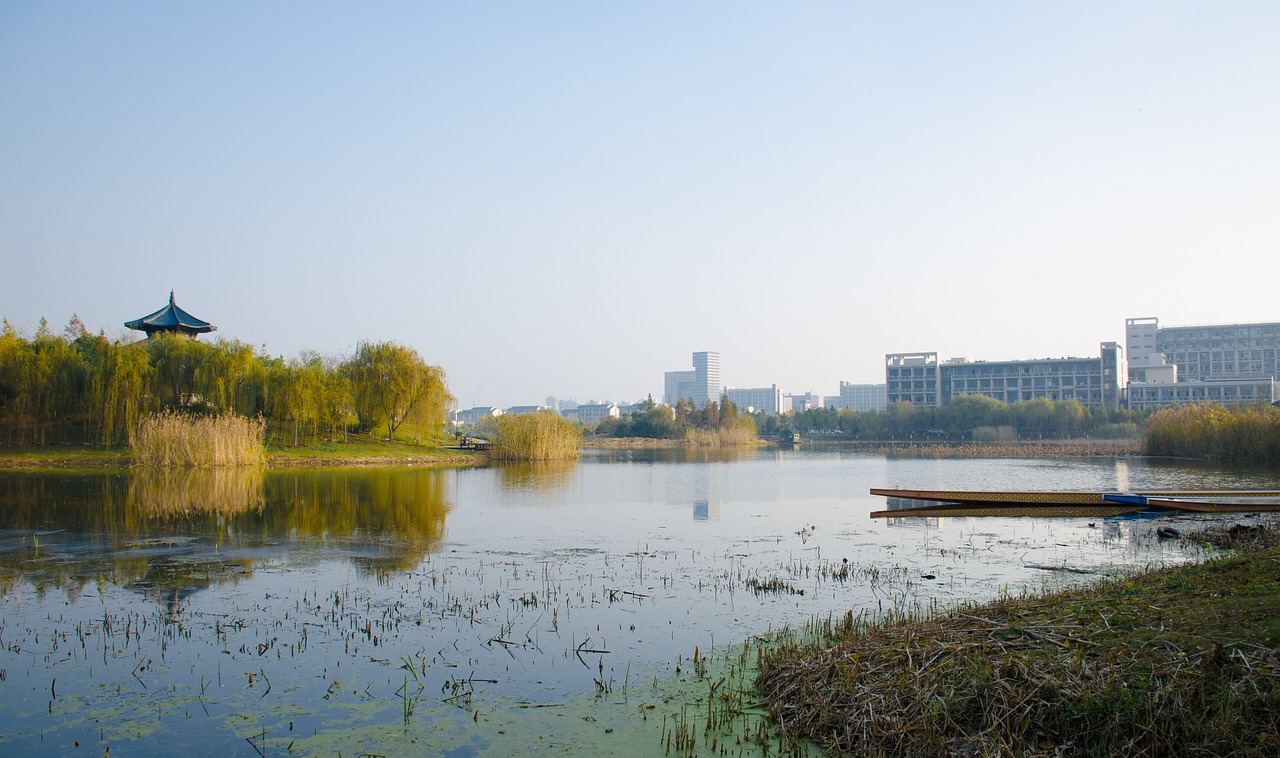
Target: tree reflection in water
172, 533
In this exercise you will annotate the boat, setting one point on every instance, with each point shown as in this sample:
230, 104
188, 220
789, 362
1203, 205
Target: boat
913, 502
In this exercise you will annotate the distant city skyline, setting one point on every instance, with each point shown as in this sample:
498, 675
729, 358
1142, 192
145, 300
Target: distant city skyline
569, 200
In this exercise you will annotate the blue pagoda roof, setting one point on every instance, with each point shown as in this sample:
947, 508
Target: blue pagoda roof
171, 318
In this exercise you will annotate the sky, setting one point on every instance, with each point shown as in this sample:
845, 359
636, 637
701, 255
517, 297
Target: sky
570, 198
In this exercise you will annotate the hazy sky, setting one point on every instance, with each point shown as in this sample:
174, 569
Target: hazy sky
571, 198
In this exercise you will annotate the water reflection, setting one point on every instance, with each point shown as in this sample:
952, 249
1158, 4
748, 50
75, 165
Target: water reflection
172, 533
159, 493
538, 475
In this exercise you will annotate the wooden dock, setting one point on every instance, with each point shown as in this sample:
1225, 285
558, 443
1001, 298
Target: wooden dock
1037, 503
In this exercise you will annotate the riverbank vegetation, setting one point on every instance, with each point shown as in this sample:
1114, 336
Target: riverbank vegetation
1181, 661
170, 440
1249, 434
77, 387
532, 437
715, 424
965, 418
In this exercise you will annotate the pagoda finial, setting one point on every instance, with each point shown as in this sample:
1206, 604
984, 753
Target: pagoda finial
170, 297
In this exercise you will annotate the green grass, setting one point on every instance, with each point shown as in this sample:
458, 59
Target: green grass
64, 458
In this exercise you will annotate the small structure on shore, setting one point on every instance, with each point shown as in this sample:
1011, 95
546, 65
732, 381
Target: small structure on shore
171, 318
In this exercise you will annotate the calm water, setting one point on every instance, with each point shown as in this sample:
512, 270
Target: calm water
482, 611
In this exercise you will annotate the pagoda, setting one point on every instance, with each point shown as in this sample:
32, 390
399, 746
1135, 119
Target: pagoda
171, 318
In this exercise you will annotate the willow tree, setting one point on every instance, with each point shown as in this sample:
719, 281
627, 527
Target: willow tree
391, 384
118, 382
177, 362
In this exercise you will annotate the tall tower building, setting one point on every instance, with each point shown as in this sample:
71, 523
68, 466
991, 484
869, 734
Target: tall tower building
706, 378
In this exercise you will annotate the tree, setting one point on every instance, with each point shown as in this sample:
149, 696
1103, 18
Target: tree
392, 385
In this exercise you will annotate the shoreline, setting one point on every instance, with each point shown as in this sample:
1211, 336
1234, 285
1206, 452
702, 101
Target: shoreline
1184, 657
68, 457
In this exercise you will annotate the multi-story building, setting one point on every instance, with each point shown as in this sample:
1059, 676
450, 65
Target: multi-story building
1222, 363
756, 399
859, 397
912, 378
919, 379
699, 386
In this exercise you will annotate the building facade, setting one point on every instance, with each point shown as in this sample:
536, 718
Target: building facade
912, 378
592, 413
706, 378
677, 386
860, 397
919, 379
757, 399
1220, 363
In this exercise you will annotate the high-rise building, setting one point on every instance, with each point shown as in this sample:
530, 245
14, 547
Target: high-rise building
706, 378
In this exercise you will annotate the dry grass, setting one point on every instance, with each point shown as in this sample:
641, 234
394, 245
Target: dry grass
171, 440
1183, 661
534, 437
723, 437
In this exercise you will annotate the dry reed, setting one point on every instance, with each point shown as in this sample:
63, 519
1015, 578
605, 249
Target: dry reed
171, 440
534, 437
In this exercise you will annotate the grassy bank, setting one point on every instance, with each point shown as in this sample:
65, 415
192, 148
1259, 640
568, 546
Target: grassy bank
1184, 661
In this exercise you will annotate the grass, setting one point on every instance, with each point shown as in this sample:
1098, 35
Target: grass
65, 458
364, 449
1183, 661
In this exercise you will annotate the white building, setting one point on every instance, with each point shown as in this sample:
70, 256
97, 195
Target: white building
802, 403
860, 397
757, 399
592, 413
473, 416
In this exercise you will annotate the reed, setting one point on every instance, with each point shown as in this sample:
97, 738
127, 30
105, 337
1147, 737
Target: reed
173, 440
725, 436
534, 437
1207, 430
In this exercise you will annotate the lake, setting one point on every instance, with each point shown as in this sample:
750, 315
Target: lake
521, 609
